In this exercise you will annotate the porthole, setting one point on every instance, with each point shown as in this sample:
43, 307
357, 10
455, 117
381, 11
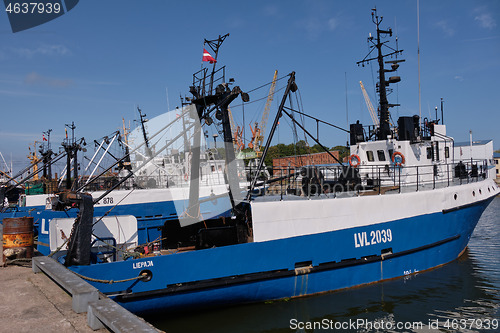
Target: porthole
480, 192
489, 189
455, 196
473, 193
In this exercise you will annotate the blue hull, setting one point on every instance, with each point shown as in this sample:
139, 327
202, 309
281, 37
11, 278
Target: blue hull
290, 267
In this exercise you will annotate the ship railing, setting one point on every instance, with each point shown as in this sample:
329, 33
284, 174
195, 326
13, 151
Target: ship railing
327, 179
203, 82
374, 179
154, 181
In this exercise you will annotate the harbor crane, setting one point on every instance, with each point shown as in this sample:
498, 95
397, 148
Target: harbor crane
369, 105
258, 132
239, 144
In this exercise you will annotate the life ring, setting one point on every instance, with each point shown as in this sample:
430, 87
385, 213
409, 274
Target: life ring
394, 155
356, 163
186, 177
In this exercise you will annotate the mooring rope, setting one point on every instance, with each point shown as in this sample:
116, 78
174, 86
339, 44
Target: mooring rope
24, 262
142, 276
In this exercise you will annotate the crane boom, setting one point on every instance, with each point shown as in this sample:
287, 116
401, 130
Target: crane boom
33, 158
260, 135
237, 134
369, 104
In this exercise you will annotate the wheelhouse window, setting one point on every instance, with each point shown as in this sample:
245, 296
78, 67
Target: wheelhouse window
429, 153
391, 151
369, 155
381, 155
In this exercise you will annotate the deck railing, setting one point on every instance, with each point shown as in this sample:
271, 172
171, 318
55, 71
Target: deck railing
374, 179
326, 179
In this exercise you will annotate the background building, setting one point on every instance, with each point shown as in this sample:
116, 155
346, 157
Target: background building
284, 163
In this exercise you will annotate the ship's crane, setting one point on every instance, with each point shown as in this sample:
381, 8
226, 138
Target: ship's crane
34, 159
369, 105
237, 132
255, 132
258, 132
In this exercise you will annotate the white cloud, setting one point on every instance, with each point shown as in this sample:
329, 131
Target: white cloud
446, 28
333, 23
35, 78
486, 20
459, 78
17, 135
20, 93
315, 26
481, 38
45, 50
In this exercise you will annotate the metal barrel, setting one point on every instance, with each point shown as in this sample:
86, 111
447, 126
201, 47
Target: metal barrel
18, 237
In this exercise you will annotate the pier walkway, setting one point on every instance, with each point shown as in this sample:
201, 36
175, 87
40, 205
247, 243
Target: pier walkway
34, 303
37, 303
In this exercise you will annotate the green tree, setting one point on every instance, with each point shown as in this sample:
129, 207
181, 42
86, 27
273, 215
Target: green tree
316, 149
343, 151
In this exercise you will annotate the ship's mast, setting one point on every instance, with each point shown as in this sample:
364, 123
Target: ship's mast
71, 146
146, 141
208, 101
46, 152
214, 45
385, 128
126, 164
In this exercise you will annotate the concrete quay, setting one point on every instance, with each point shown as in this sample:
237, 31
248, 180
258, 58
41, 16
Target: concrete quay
41, 296
34, 303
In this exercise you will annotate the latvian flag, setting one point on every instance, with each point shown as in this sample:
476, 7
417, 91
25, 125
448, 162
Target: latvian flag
208, 57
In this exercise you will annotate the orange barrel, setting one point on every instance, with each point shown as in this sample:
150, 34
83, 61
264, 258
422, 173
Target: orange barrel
18, 237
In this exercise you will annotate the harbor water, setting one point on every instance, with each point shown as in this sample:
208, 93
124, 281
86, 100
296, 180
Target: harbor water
462, 296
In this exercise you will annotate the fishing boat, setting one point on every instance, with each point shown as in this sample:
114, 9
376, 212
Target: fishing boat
401, 205
153, 189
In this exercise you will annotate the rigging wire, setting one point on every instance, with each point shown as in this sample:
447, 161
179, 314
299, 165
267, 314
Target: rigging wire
259, 99
269, 83
301, 116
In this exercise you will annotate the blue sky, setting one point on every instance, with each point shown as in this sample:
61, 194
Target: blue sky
96, 63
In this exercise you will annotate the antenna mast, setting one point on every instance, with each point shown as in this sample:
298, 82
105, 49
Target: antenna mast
146, 141
384, 129
214, 45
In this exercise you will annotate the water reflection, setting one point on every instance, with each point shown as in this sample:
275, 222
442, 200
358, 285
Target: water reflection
468, 288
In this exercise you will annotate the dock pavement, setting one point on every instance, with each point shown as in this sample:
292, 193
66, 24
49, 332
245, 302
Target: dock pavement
34, 303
